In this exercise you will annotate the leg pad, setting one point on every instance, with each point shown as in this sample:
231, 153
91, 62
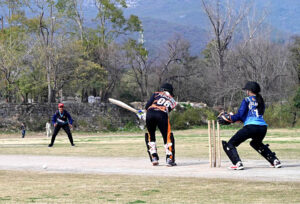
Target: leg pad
264, 150
231, 152
151, 148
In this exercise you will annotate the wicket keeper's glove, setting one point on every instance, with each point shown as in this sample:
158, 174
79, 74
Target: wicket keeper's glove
224, 118
141, 115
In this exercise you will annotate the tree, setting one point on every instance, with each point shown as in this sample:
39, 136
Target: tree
295, 54
173, 53
111, 24
137, 57
32, 84
73, 10
181, 69
13, 49
224, 22
224, 19
46, 38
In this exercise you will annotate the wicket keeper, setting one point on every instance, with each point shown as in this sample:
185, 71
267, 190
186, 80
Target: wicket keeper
251, 114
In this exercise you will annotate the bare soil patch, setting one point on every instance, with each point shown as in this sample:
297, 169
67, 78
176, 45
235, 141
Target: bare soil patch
254, 169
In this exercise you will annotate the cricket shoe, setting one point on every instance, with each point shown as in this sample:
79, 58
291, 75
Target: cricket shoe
170, 163
238, 166
154, 161
276, 164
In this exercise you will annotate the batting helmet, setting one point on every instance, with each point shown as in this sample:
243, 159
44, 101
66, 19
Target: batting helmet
167, 87
252, 86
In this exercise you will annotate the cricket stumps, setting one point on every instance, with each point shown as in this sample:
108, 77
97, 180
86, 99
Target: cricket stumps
214, 144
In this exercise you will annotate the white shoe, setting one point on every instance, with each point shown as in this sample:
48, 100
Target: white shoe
276, 164
238, 166
170, 163
154, 161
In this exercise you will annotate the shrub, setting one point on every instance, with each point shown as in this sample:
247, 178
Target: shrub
130, 127
281, 115
187, 117
36, 125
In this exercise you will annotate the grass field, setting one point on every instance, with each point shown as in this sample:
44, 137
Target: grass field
190, 143
43, 187
26, 187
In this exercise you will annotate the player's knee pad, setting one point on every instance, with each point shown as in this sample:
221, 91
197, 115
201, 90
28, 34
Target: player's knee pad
231, 152
264, 150
170, 148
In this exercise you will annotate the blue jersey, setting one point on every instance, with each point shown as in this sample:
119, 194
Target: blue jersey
248, 113
62, 118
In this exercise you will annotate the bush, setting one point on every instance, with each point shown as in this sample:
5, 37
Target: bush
281, 115
296, 99
35, 125
187, 117
130, 127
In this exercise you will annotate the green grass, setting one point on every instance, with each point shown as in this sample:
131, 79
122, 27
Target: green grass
189, 143
79, 188
42, 187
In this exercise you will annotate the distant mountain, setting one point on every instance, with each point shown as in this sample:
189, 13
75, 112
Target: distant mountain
283, 15
185, 12
162, 18
158, 32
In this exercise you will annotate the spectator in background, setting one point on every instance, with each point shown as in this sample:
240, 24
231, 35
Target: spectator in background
23, 129
48, 129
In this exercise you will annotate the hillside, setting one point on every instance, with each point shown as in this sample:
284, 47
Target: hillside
283, 15
162, 19
158, 31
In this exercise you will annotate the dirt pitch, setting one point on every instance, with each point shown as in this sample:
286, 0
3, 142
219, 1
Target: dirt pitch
254, 169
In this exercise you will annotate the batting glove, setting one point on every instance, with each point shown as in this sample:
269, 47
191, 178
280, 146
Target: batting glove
141, 115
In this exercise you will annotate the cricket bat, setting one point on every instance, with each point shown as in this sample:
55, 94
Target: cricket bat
123, 105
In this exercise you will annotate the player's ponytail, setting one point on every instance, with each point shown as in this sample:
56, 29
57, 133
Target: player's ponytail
261, 104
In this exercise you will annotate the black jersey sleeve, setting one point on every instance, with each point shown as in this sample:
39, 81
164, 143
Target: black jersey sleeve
149, 103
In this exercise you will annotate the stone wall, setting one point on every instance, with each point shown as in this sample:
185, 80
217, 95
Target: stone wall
87, 117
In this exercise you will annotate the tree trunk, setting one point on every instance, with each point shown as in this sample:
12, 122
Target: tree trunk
49, 81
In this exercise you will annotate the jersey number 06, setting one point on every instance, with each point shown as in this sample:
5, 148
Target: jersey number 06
164, 102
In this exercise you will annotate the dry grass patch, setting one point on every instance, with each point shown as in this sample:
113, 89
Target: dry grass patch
78, 188
190, 143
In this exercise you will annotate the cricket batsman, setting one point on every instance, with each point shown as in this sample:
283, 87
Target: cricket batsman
61, 119
158, 107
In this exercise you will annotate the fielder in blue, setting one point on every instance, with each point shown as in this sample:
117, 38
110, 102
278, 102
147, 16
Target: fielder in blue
251, 114
61, 119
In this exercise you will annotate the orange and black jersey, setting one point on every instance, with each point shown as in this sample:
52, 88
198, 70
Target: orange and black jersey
161, 101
